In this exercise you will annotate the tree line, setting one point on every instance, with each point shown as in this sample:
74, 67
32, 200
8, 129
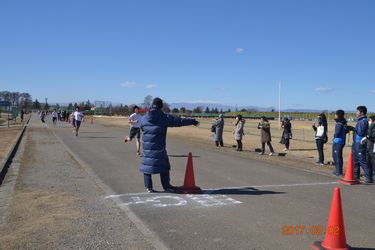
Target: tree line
17, 99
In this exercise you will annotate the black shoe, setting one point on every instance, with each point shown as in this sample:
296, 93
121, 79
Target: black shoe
368, 182
335, 173
150, 190
173, 189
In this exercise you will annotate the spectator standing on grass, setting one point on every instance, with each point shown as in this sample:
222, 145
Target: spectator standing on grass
338, 141
359, 145
219, 129
54, 117
135, 130
77, 119
155, 160
265, 128
239, 131
287, 133
321, 129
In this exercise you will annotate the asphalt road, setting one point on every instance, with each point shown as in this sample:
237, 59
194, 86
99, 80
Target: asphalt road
246, 204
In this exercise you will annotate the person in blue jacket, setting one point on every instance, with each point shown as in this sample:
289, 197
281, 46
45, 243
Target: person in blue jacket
155, 159
338, 142
359, 149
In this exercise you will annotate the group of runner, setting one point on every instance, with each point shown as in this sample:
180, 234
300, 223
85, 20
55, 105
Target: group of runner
76, 118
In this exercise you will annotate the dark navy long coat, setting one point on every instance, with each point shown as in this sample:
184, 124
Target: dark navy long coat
154, 127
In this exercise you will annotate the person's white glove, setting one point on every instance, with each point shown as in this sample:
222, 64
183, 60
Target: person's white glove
363, 141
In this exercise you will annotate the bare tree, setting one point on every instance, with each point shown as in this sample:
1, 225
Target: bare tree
147, 101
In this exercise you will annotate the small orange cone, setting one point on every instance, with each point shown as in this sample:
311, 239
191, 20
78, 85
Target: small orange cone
349, 178
189, 183
335, 238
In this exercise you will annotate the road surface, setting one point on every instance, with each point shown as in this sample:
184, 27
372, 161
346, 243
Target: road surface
246, 203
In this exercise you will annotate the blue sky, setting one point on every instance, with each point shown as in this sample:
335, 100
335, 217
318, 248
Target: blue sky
231, 52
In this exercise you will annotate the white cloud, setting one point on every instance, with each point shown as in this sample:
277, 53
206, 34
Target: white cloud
373, 91
240, 50
150, 86
324, 89
132, 85
129, 85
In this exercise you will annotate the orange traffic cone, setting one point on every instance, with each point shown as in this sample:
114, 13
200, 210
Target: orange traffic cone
189, 183
349, 178
335, 238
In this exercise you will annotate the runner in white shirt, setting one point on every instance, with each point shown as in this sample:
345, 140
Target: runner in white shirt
135, 130
54, 117
77, 119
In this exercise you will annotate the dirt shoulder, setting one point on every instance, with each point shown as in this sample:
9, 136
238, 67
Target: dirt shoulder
56, 205
8, 139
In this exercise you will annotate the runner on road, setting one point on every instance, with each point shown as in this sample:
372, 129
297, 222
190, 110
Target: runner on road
54, 117
77, 119
135, 130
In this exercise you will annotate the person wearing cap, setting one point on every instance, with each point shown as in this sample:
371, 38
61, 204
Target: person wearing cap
338, 141
155, 159
219, 129
135, 131
238, 132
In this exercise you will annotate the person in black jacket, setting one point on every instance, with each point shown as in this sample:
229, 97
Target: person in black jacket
370, 140
321, 128
287, 133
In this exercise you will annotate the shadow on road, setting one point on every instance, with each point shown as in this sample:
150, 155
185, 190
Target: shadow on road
182, 156
303, 149
99, 137
243, 191
94, 132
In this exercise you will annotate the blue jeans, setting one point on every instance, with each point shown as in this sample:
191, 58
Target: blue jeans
164, 178
359, 158
320, 147
337, 156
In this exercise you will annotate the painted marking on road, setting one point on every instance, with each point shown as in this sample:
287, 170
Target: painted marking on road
210, 191
162, 201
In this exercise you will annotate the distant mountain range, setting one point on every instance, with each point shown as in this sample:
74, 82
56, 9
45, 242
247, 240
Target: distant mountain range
191, 106
204, 105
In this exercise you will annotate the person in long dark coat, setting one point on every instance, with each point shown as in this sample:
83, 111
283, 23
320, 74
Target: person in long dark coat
265, 128
155, 159
219, 129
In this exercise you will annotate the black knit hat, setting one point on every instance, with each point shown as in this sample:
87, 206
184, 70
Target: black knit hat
340, 113
157, 103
